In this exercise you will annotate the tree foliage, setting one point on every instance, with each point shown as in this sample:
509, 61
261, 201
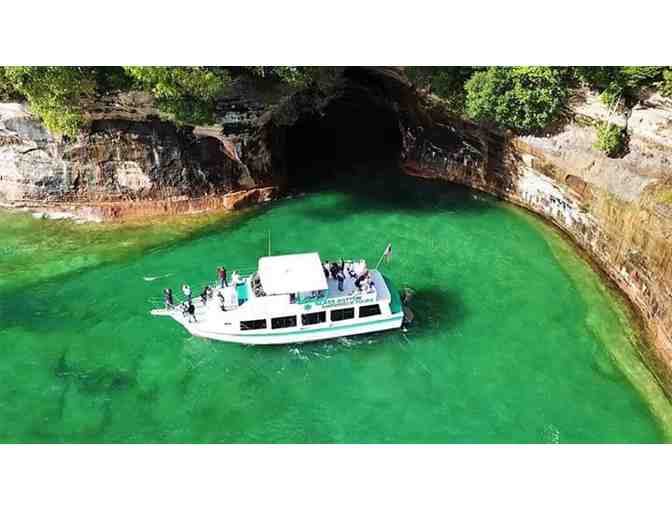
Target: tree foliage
187, 94
54, 93
7, 90
666, 84
611, 139
620, 82
445, 82
293, 75
525, 99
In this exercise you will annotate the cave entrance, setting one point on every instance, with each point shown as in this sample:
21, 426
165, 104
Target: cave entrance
357, 132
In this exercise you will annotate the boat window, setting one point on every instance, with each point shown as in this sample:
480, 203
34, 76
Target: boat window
343, 314
313, 318
283, 322
369, 310
256, 324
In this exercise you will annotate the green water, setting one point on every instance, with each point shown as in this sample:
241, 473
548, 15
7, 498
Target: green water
515, 340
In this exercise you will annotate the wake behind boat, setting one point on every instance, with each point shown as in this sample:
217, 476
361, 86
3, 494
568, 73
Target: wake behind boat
293, 299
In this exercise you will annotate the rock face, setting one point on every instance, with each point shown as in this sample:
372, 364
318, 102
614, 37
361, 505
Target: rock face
115, 159
618, 210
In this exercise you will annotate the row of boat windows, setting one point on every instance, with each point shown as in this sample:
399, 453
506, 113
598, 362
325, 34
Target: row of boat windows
308, 319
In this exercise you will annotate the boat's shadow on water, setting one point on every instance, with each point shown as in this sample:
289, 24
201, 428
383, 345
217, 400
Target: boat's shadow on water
436, 308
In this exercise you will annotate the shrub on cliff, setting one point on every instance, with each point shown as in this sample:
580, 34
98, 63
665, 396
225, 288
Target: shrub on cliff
620, 82
611, 139
7, 90
445, 82
186, 94
54, 93
525, 99
298, 76
666, 84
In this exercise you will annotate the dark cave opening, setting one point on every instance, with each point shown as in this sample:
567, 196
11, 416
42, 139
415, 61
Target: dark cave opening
357, 132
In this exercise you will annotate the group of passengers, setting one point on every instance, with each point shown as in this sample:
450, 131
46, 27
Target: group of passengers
187, 307
339, 271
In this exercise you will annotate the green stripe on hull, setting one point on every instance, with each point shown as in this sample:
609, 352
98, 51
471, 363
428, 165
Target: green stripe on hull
310, 331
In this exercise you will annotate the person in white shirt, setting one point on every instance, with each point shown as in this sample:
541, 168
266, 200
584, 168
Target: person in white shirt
235, 279
186, 290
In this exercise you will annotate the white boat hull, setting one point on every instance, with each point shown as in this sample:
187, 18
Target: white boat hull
302, 335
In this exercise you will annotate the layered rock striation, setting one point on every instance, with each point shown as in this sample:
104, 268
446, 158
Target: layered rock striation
619, 211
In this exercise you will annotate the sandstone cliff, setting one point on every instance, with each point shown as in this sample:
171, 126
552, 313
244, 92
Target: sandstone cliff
128, 159
618, 210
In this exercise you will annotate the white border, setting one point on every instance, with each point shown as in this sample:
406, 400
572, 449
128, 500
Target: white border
338, 477
347, 32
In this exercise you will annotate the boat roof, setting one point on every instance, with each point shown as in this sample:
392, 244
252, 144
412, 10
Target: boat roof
286, 274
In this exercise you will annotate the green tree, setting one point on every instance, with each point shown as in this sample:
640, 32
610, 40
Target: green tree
525, 99
7, 89
445, 82
299, 76
666, 84
620, 82
186, 94
54, 94
611, 139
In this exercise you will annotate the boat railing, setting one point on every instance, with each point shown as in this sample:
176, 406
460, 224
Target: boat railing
213, 284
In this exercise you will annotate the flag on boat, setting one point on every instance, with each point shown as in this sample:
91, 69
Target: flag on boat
388, 252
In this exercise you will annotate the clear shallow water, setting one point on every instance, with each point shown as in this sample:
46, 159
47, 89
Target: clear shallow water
516, 339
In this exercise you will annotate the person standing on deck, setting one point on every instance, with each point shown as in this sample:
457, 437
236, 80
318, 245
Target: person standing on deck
191, 311
186, 290
340, 276
204, 294
326, 269
221, 271
235, 279
168, 298
333, 269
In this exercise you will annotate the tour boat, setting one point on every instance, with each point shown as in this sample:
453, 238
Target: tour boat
293, 299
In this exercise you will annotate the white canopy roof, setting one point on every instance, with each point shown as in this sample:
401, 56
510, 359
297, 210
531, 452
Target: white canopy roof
286, 274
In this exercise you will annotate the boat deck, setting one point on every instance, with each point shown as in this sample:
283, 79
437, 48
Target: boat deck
349, 288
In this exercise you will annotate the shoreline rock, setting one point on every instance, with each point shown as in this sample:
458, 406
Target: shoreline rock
133, 210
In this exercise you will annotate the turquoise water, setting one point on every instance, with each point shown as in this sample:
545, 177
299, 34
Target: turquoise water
515, 338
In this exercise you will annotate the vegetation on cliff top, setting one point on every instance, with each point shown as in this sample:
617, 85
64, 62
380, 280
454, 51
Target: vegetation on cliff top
530, 99
526, 99
182, 94
187, 94
523, 99
54, 93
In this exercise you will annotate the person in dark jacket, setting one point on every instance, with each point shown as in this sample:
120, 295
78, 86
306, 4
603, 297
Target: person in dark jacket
191, 310
221, 271
340, 276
